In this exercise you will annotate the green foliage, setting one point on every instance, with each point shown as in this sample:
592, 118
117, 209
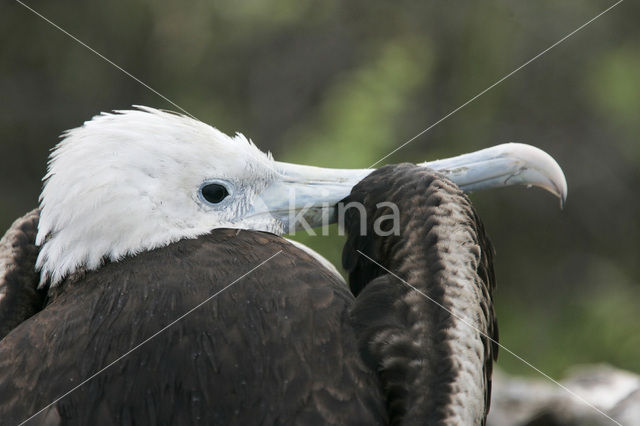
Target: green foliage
360, 109
614, 84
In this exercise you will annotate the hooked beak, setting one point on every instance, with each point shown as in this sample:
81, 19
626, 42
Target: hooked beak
504, 165
306, 196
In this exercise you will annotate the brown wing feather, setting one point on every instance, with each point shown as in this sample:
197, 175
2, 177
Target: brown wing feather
403, 335
19, 294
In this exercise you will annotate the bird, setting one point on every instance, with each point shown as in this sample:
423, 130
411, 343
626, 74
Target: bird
154, 285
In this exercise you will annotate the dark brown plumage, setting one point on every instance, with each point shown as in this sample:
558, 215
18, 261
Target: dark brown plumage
401, 333
270, 349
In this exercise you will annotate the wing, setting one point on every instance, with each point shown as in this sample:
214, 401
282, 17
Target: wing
273, 346
424, 311
19, 294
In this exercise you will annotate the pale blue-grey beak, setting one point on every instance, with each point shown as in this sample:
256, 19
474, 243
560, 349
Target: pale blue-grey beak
313, 192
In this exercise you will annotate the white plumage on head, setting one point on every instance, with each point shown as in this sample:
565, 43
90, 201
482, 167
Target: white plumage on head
129, 181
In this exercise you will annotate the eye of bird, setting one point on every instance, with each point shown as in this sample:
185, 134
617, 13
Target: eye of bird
214, 193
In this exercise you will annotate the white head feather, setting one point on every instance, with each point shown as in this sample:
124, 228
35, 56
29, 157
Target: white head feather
129, 181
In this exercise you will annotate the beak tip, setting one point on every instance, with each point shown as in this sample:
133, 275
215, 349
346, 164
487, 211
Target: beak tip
547, 167
563, 195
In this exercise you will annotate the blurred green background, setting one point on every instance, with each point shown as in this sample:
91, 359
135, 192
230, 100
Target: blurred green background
342, 83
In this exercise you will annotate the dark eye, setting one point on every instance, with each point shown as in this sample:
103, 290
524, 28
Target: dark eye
214, 192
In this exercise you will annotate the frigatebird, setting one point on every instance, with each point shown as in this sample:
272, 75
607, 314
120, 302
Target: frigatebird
153, 286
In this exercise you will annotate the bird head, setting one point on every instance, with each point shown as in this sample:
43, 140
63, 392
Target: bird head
135, 180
